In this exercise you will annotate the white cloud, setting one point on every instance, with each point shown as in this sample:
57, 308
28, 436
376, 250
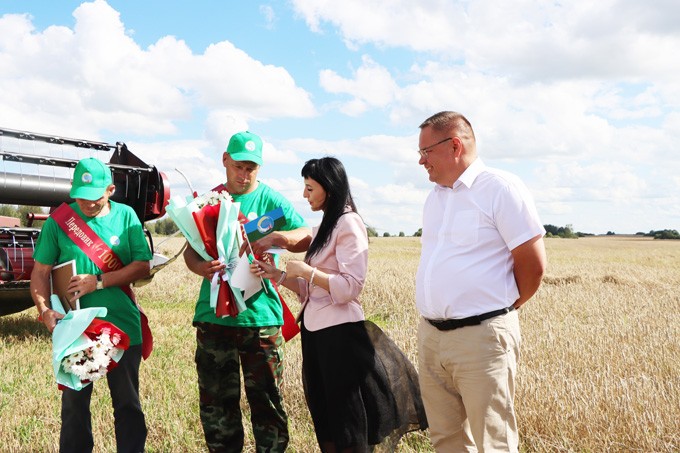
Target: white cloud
521, 39
583, 192
385, 148
580, 98
220, 125
96, 77
225, 75
372, 86
195, 159
269, 15
422, 25
393, 207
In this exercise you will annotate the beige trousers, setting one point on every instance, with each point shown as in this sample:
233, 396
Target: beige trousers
467, 381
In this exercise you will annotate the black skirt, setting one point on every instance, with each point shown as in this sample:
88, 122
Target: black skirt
361, 390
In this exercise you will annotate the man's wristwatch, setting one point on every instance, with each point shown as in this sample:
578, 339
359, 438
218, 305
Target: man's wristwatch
100, 283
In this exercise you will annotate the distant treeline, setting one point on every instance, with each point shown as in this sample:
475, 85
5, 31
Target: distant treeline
661, 234
163, 227
21, 213
553, 231
167, 226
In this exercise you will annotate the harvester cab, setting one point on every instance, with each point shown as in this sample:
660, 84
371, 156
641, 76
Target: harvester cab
36, 170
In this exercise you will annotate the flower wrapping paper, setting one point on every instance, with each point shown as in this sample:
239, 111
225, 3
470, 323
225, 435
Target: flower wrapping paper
75, 333
210, 225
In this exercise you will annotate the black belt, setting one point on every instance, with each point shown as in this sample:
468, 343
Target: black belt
450, 324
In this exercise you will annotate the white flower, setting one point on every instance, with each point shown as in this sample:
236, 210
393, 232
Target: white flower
212, 198
92, 362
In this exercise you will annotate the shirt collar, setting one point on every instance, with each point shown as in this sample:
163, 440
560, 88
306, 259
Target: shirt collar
469, 175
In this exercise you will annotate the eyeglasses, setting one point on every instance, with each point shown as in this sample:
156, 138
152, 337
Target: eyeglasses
425, 151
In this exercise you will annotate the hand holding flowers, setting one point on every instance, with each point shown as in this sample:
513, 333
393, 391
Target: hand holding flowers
210, 224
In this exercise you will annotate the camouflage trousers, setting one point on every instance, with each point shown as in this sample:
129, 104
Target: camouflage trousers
220, 353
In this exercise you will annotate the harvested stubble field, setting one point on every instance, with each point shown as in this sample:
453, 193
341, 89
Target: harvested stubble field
599, 368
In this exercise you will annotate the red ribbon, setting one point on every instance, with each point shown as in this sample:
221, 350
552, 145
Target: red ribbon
206, 223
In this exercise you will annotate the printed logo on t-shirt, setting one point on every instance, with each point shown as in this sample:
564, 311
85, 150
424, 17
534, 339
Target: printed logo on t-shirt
252, 215
115, 240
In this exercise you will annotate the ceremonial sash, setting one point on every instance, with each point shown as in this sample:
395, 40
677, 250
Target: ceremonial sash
290, 327
103, 257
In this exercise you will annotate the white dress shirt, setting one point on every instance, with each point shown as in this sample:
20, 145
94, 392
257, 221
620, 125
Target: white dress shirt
466, 267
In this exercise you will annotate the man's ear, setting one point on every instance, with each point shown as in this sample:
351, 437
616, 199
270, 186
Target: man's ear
111, 189
458, 146
225, 159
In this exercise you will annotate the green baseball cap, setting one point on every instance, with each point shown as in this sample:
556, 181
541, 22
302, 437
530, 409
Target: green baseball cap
90, 179
245, 146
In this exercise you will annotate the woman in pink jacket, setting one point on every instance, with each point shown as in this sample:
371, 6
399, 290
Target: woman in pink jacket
361, 390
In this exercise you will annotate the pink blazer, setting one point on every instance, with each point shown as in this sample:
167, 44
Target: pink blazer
345, 259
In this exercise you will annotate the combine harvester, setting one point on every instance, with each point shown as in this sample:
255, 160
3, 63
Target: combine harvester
36, 170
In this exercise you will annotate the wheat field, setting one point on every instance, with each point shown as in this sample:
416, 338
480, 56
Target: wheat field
598, 373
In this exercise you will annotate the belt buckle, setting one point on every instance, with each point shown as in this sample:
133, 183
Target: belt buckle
445, 324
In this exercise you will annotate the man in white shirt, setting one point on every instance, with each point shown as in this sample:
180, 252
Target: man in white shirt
482, 258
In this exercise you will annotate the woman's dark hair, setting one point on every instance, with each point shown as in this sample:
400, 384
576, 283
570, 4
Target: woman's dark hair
330, 174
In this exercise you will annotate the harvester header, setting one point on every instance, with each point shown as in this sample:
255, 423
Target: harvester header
37, 170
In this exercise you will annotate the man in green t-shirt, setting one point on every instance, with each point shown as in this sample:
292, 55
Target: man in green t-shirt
116, 225
251, 340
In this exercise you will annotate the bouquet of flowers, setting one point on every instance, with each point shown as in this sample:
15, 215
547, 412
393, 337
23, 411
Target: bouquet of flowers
84, 348
210, 224
104, 343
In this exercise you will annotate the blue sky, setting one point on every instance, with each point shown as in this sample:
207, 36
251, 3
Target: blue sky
580, 99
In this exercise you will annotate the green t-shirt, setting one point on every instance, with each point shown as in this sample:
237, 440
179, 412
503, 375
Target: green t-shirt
263, 309
121, 230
